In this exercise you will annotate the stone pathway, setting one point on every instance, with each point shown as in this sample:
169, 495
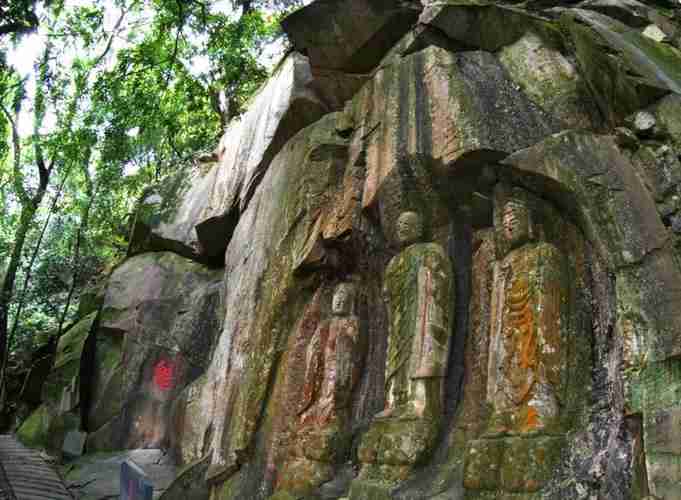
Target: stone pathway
97, 476
26, 476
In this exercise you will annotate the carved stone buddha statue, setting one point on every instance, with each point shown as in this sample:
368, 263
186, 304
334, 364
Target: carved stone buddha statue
332, 363
418, 293
529, 324
333, 359
530, 286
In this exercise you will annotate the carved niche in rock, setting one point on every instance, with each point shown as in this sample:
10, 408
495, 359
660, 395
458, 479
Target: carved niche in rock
418, 292
333, 360
530, 296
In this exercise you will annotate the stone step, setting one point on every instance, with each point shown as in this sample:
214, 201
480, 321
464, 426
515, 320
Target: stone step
25, 475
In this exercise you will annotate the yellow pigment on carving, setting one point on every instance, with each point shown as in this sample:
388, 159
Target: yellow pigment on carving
521, 322
532, 419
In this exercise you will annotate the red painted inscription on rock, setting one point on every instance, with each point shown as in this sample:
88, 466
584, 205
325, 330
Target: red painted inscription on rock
164, 374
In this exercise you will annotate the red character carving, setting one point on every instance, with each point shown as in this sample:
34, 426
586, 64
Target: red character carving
164, 375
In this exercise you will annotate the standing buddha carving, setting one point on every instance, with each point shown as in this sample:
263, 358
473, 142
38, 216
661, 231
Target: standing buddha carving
333, 359
530, 288
332, 364
418, 294
417, 290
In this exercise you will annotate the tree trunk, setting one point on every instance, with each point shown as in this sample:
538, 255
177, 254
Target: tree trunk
27, 279
27, 213
76, 254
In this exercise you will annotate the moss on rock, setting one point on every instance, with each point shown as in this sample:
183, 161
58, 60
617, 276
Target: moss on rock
34, 432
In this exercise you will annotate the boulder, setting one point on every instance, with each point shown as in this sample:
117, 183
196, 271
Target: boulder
625, 70
62, 387
194, 213
91, 295
34, 431
349, 36
59, 415
476, 24
74, 444
158, 323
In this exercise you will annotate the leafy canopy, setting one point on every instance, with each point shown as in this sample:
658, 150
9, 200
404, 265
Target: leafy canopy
122, 94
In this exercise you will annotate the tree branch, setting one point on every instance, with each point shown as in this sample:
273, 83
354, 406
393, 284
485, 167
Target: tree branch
114, 32
16, 164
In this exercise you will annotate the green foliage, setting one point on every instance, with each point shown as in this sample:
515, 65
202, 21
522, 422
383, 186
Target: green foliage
17, 16
125, 93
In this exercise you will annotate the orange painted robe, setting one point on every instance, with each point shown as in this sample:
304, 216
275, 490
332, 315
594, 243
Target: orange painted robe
529, 300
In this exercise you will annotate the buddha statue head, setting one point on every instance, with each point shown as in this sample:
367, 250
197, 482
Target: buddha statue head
343, 299
515, 220
409, 228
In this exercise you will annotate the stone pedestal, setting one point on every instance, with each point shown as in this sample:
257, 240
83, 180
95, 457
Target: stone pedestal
511, 465
312, 460
393, 446
370, 490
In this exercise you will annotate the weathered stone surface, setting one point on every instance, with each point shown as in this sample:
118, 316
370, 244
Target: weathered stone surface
106, 381
620, 218
590, 177
91, 295
61, 389
188, 439
642, 122
528, 353
660, 168
529, 316
195, 213
370, 490
645, 71
430, 106
34, 431
635, 14
157, 328
473, 416
392, 446
349, 36
655, 34
59, 413
74, 444
668, 113
660, 387
190, 483
483, 462
418, 292
476, 25
260, 300
664, 431
549, 79
333, 361
167, 216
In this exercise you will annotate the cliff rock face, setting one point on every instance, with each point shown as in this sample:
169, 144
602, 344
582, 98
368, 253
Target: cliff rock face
537, 148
